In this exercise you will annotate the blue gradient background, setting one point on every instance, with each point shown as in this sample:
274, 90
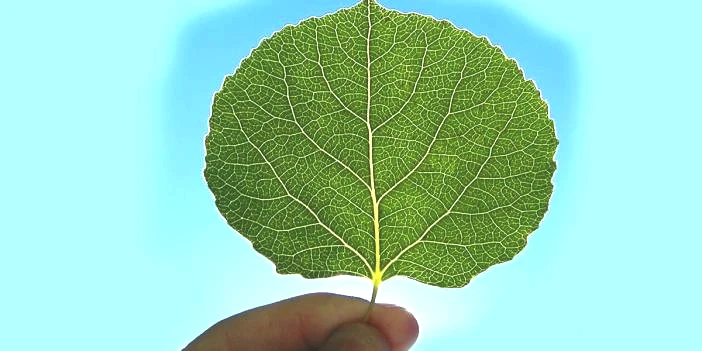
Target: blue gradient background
109, 238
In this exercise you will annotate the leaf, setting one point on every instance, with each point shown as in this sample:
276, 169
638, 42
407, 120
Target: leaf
374, 143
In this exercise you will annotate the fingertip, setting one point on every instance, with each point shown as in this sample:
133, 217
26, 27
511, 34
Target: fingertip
398, 325
411, 331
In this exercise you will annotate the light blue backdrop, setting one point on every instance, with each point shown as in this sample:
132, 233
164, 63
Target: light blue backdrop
109, 238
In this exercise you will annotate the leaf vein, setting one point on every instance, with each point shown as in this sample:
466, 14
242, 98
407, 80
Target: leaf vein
287, 191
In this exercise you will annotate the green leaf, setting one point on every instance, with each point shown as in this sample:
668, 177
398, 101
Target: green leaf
374, 143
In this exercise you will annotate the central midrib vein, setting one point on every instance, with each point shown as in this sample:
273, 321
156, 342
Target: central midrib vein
376, 274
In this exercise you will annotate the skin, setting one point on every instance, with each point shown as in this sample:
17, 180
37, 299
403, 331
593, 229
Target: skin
314, 322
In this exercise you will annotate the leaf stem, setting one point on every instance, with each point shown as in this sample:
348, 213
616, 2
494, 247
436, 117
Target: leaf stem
376, 283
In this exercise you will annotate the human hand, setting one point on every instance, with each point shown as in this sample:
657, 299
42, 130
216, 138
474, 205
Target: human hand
319, 322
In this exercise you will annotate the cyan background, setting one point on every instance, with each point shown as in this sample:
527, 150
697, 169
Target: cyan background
109, 238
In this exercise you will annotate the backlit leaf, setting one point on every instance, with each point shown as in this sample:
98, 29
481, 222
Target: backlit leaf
374, 143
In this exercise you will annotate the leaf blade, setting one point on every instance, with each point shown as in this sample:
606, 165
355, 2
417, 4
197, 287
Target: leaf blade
435, 165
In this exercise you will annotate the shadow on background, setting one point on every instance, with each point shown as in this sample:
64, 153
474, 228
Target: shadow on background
211, 47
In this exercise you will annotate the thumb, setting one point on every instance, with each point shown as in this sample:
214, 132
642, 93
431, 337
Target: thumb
356, 337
